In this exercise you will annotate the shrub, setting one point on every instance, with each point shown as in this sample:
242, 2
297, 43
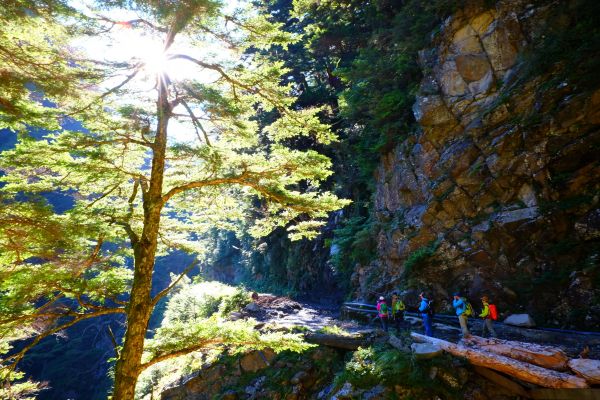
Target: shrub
420, 255
238, 300
384, 365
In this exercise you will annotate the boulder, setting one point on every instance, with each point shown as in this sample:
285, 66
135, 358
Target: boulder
425, 350
299, 377
234, 316
344, 393
256, 360
472, 67
252, 307
519, 215
523, 320
375, 393
431, 110
587, 369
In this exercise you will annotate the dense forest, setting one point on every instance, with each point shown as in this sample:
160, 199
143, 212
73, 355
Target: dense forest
162, 162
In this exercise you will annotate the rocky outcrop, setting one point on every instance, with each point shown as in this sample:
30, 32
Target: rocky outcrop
499, 193
259, 375
425, 350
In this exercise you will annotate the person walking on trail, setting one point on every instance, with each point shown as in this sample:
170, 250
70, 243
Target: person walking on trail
426, 311
382, 312
461, 306
398, 308
486, 314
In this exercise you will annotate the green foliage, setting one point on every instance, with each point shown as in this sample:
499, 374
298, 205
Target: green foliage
568, 47
194, 301
15, 385
374, 47
38, 65
355, 241
419, 256
382, 364
334, 330
20, 390
138, 189
237, 301
194, 317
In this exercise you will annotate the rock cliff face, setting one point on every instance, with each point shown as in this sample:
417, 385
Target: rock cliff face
499, 191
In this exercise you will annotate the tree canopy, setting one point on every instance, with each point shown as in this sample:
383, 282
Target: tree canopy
150, 158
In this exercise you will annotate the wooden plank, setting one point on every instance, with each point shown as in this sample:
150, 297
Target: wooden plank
543, 356
520, 370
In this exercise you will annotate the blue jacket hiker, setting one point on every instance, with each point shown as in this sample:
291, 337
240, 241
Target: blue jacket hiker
426, 311
462, 308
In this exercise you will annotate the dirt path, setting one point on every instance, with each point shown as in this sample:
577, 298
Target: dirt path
286, 312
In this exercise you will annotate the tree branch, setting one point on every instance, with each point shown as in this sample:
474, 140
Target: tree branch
235, 82
110, 91
19, 355
199, 184
205, 344
196, 122
113, 339
104, 195
166, 290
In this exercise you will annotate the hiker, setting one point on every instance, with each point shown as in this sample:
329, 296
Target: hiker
398, 308
382, 312
488, 314
462, 307
426, 310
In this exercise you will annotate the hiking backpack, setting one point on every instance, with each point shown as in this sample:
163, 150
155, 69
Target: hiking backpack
383, 308
493, 311
468, 308
429, 310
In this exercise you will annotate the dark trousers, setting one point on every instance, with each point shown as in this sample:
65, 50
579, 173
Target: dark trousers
398, 319
427, 324
384, 323
488, 325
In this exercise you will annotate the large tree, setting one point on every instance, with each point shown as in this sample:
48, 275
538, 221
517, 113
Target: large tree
140, 187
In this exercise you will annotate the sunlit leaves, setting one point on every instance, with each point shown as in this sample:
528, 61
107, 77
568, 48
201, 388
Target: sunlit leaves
194, 150
37, 69
194, 318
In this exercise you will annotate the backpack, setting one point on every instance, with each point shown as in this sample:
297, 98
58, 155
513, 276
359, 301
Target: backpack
468, 308
383, 308
493, 311
429, 310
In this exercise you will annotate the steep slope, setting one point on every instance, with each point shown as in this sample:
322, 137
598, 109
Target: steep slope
499, 191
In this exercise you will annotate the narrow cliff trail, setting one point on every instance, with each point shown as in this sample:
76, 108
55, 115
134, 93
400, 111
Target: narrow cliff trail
287, 313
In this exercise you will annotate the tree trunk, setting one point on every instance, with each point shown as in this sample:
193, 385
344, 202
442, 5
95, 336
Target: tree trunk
138, 314
543, 356
140, 305
139, 309
520, 370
